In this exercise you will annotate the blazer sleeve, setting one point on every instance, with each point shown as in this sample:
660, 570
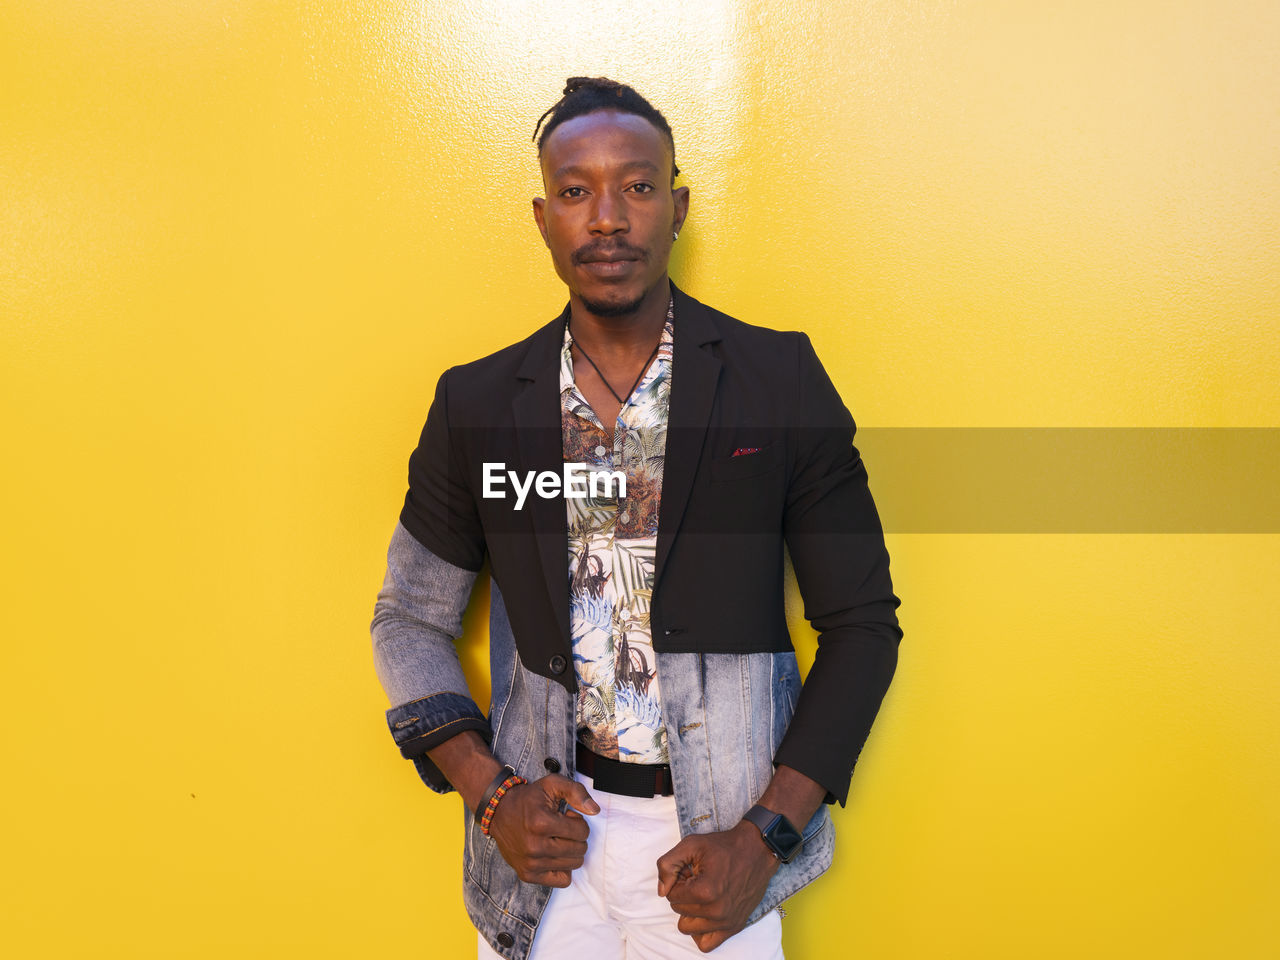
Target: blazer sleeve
837, 550
439, 507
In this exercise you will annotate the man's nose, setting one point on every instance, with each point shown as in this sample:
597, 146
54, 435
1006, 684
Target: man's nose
608, 214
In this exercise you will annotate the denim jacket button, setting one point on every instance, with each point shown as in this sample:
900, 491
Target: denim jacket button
506, 940
557, 664
552, 765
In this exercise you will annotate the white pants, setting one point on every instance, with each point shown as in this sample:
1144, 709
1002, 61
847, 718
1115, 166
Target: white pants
611, 909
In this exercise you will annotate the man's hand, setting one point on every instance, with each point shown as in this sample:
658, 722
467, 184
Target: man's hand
714, 881
541, 843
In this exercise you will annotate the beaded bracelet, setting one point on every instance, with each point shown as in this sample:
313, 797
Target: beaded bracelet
512, 779
504, 772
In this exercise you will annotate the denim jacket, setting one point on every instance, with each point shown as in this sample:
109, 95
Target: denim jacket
725, 713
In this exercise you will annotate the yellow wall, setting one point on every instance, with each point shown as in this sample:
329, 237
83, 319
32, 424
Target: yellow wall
240, 240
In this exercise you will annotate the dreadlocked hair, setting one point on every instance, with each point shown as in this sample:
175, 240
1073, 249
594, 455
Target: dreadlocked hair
583, 95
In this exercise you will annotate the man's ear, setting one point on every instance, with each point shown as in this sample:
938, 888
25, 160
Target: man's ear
681, 197
539, 219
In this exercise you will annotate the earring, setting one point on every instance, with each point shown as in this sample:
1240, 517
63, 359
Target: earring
675, 235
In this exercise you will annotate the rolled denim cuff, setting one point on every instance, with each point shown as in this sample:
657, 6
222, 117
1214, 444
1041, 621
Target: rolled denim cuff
423, 724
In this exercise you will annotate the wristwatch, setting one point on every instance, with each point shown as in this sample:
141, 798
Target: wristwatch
782, 839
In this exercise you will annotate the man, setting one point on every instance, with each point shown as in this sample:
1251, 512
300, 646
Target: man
650, 780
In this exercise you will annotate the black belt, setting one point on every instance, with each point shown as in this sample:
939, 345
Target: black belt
628, 779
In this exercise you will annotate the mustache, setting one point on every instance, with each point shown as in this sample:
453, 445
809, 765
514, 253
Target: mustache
608, 250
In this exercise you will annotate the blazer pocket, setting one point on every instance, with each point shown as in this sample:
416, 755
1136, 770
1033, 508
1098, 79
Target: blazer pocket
748, 465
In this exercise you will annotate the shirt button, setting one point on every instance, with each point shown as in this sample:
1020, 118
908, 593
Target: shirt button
557, 664
551, 764
506, 940
600, 451
626, 516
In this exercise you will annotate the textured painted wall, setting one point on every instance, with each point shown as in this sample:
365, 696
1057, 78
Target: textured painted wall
240, 240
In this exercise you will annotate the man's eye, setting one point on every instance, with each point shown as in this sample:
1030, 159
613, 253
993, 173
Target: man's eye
572, 192
642, 187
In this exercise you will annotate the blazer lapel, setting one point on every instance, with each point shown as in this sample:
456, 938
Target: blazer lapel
694, 376
536, 413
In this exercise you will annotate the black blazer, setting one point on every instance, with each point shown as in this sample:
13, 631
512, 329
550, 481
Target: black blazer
724, 518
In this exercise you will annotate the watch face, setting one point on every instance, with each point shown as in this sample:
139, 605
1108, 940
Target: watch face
785, 839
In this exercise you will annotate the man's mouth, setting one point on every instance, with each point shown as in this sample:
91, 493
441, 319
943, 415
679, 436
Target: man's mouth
619, 255
608, 268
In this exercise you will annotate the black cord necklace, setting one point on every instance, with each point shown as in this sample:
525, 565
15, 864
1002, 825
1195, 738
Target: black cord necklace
607, 384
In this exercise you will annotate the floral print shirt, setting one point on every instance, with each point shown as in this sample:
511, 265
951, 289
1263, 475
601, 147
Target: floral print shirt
612, 544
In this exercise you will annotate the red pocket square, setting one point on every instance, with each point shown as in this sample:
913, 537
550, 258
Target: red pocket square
743, 451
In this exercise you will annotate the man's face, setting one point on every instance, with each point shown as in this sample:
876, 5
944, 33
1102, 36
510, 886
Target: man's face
610, 209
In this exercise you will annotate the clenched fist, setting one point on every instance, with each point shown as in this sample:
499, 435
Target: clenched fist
714, 881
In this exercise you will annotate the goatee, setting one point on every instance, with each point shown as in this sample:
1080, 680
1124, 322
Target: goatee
601, 309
